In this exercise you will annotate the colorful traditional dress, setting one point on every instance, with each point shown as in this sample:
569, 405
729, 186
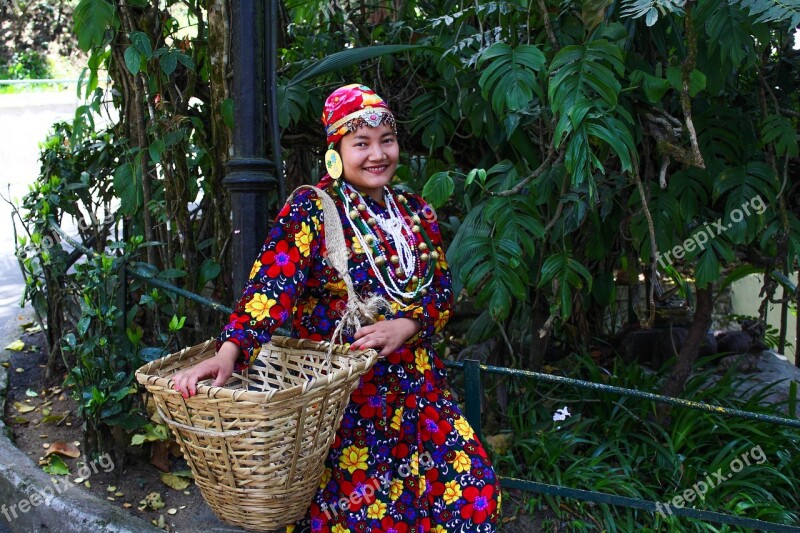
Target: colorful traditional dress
404, 458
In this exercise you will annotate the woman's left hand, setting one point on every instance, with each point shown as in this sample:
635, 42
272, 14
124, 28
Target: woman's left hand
386, 335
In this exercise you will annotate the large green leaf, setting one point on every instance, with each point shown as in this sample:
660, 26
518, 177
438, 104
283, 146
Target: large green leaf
773, 10
781, 132
570, 275
92, 18
347, 58
438, 189
585, 72
292, 100
128, 188
509, 80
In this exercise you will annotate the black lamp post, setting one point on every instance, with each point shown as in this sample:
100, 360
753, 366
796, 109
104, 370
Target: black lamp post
250, 175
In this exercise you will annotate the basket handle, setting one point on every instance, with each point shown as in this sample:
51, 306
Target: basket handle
201, 431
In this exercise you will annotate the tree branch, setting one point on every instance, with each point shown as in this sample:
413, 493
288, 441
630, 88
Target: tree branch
549, 161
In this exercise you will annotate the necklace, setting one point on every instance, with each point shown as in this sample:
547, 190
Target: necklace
407, 275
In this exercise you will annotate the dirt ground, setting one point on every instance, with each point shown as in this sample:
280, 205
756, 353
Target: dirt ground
54, 418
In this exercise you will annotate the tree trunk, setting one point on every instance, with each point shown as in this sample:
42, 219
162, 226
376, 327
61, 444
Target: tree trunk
688, 354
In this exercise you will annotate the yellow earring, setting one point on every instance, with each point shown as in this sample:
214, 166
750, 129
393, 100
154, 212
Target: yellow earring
333, 162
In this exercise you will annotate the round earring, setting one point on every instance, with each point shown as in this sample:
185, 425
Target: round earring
333, 162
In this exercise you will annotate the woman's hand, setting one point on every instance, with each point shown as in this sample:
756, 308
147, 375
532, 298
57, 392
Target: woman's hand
219, 367
386, 335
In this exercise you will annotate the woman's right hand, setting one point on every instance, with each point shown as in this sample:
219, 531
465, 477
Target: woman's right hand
219, 367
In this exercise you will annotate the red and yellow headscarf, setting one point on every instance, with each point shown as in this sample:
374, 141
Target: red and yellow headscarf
352, 106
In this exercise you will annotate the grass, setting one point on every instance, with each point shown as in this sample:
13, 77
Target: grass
613, 444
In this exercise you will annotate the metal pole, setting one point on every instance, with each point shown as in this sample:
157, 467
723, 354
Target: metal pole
271, 75
250, 174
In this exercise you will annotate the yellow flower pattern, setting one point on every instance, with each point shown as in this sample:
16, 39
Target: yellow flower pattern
463, 428
259, 306
339, 528
397, 419
422, 360
256, 267
377, 510
303, 239
452, 492
396, 489
326, 476
353, 458
462, 462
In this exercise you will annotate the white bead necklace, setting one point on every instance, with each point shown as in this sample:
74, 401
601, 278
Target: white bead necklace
393, 227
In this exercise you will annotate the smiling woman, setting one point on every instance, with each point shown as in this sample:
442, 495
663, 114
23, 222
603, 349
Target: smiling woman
402, 412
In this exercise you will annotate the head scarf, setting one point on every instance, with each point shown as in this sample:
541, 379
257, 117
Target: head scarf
352, 106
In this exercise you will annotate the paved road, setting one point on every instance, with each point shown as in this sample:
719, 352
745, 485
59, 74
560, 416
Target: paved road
24, 121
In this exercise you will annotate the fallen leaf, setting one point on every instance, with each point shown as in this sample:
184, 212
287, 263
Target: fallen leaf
56, 466
153, 501
87, 484
21, 420
46, 411
182, 507
184, 473
109, 498
119, 494
126, 505
17, 346
5, 364
19, 370
33, 329
42, 436
50, 418
172, 510
159, 455
31, 393
111, 488
500, 442
175, 482
186, 492
78, 480
22, 408
62, 448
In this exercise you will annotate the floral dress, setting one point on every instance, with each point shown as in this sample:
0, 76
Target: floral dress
404, 458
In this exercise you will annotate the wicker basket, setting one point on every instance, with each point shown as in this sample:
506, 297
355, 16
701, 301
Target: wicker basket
257, 446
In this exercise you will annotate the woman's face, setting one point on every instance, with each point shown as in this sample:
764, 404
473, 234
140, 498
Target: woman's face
369, 159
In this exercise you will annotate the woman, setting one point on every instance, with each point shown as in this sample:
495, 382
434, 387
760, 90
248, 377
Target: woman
404, 458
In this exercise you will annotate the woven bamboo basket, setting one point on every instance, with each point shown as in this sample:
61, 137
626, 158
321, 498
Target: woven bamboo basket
257, 445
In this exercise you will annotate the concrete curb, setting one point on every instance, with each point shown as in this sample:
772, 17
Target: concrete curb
26, 503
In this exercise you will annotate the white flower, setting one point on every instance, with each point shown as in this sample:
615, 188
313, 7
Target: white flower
561, 414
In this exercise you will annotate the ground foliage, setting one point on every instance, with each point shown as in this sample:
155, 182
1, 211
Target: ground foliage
613, 444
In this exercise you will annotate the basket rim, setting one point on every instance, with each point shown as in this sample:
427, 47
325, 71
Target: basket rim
363, 360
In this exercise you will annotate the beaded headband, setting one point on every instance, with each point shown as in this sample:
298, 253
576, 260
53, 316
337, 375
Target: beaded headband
352, 106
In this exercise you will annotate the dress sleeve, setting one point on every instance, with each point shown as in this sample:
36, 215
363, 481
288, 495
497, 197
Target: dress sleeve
434, 309
278, 277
